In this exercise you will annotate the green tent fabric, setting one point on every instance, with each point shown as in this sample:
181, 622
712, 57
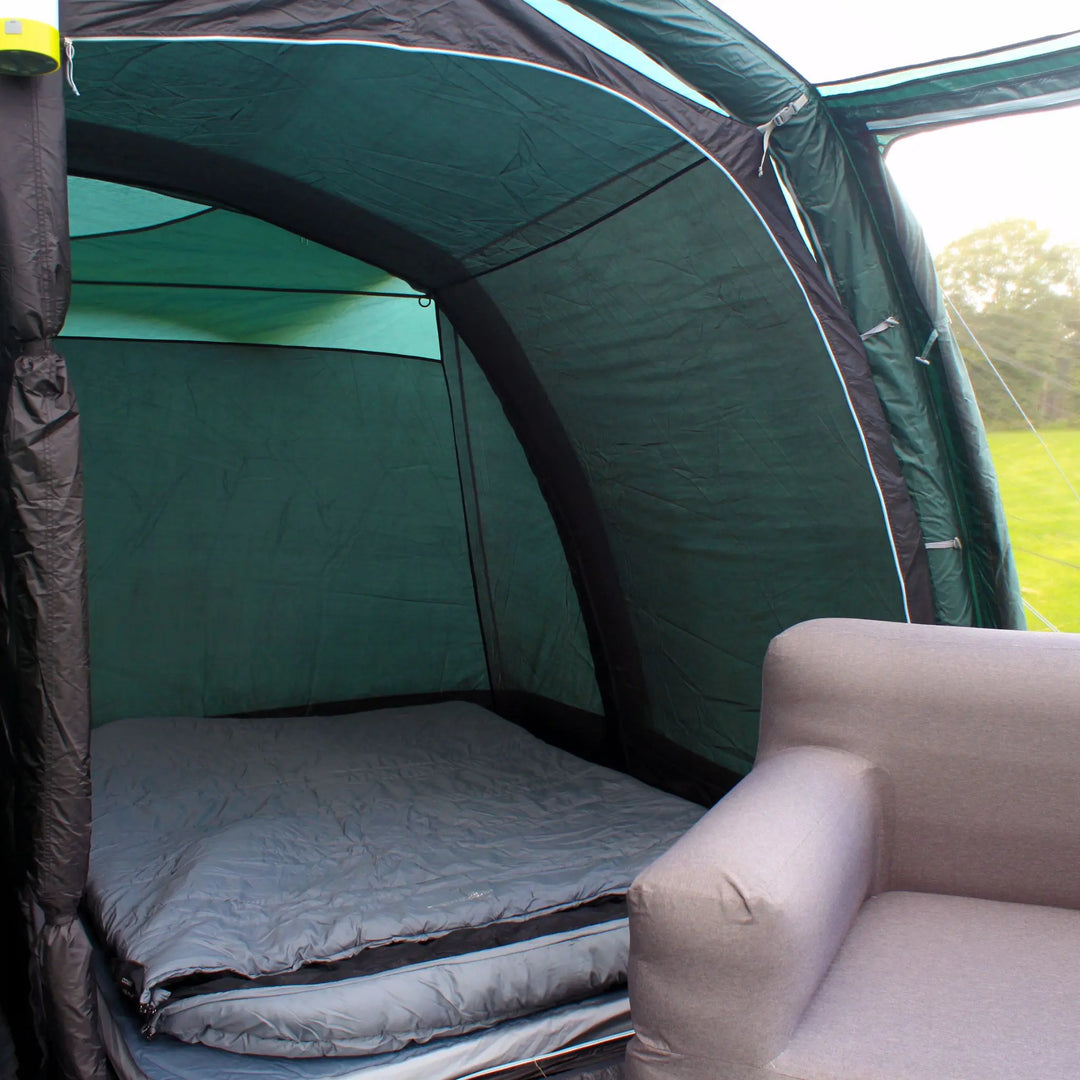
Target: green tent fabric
573, 170
554, 355
1043, 74
242, 383
700, 470
243, 555
828, 185
537, 642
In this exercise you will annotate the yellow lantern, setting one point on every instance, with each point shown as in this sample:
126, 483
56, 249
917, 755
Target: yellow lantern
29, 37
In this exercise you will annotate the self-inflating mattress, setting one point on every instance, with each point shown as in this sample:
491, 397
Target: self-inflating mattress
350, 885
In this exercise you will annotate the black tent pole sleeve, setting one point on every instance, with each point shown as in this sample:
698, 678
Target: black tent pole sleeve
46, 716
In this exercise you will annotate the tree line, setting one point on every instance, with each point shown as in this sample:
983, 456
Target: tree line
1019, 296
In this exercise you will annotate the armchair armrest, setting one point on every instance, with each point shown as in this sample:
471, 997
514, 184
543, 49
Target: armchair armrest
732, 930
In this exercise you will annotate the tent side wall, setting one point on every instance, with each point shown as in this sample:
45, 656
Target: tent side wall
270, 527
873, 111
850, 223
692, 411
990, 557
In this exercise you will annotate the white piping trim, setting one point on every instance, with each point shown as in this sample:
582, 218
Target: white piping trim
934, 68
648, 112
976, 112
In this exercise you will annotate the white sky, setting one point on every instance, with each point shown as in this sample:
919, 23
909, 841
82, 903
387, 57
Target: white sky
967, 176
827, 40
960, 178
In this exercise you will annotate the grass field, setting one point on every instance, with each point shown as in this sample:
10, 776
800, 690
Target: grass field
1044, 520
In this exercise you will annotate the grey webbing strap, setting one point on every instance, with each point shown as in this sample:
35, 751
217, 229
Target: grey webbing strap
924, 356
781, 118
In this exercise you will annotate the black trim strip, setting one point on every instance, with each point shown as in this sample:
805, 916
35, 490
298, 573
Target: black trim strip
596, 221
680, 144
374, 960
76, 237
583, 734
663, 763
360, 705
453, 379
254, 345
248, 288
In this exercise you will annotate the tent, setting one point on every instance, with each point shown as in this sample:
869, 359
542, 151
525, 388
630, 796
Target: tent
554, 355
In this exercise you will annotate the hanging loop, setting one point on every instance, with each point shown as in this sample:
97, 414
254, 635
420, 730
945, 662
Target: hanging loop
69, 66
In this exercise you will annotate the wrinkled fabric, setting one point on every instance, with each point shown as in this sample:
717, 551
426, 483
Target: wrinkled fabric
377, 1014
606, 1017
44, 667
259, 846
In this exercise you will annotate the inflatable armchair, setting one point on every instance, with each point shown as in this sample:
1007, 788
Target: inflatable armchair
894, 890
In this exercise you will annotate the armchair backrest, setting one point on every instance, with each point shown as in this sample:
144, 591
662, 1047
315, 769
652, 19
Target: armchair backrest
978, 734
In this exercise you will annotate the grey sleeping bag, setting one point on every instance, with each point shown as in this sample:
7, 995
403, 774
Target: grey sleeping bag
351, 884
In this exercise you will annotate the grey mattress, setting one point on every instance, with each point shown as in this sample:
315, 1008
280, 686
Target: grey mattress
350, 885
543, 1039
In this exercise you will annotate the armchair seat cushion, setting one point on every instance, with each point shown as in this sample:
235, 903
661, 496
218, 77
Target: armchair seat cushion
931, 987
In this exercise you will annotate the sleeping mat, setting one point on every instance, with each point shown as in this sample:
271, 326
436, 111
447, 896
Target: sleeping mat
349, 885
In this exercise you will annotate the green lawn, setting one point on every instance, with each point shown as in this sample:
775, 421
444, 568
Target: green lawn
1044, 520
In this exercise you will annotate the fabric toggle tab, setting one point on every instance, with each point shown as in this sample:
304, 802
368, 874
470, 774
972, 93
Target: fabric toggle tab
885, 324
924, 356
945, 545
781, 118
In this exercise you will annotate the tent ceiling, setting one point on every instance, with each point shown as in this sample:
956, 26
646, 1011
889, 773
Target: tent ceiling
435, 144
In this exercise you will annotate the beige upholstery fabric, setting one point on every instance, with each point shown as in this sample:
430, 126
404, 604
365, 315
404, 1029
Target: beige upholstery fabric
936, 767
733, 928
978, 731
945, 988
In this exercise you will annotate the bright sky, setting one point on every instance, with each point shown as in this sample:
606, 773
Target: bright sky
836, 39
963, 177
